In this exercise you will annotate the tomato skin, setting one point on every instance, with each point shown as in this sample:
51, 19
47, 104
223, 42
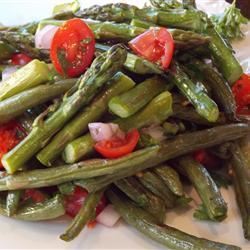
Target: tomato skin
117, 147
241, 91
11, 134
20, 59
34, 194
74, 202
155, 45
72, 49
206, 158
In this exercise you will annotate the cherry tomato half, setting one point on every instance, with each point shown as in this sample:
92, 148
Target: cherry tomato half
241, 91
116, 147
72, 49
155, 45
20, 59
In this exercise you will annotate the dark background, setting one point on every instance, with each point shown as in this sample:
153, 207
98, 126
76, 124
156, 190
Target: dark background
244, 5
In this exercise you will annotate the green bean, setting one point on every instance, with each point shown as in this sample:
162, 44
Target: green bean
12, 201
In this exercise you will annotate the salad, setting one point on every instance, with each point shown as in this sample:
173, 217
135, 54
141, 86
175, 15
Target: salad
111, 111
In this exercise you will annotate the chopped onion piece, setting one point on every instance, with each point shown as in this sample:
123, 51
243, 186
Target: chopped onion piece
8, 71
105, 131
156, 132
108, 217
43, 37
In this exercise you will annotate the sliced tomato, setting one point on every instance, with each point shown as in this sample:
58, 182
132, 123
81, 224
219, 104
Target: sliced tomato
74, 202
72, 49
34, 194
206, 158
241, 91
155, 45
116, 147
20, 59
11, 134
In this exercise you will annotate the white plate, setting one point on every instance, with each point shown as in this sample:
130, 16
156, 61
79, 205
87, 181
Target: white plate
44, 235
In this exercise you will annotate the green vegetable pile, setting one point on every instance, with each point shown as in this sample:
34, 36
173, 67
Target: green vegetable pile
191, 104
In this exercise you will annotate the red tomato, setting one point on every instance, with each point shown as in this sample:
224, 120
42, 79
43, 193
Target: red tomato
34, 194
241, 91
11, 134
20, 59
155, 45
117, 147
73, 202
205, 158
72, 49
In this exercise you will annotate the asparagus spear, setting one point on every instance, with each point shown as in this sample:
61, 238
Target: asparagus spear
17, 104
204, 106
170, 177
142, 197
47, 210
12, 201
155, 184
25, 28
86, 214
189, 114
166, 4
220, 88
101, 70
127, 165
135, 63
155, 112
208, 191
24, 42
121, 12
163, 234
240, 165
189, 4
117, 85
133, 100
32, 74
6, 51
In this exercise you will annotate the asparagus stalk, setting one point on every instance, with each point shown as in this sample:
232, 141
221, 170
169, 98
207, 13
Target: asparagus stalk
117, 85
101, 70
155, 184
166, 4
142, 197
12, 201
204, 106
158, 110
208, 191
25, 28
220, 88
86, 214
171, 178
6, 51
17, 104
163, 234
135, 63
189, 4
24, 42
30, 75
240, 165
129, 103
121, 12
47, 210
127, 165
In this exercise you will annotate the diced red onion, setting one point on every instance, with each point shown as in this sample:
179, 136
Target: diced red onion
108, 217
43, 37
156, 132
8, 71
105, 131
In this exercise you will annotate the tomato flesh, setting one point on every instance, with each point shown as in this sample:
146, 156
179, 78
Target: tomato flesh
155, 45
206, 158
74, 202
34, 194
20, 59
241, 91
116, 147
72, 49
11, 134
